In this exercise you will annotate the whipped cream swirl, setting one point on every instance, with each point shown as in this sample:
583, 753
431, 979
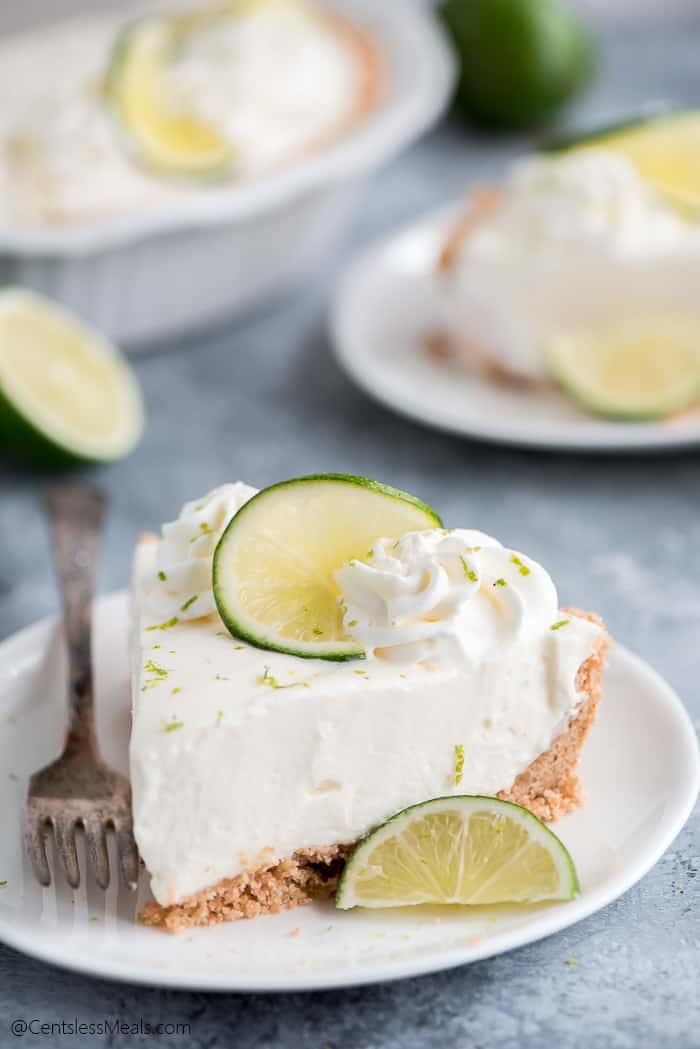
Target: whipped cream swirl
181, 584
444, 594
583, 198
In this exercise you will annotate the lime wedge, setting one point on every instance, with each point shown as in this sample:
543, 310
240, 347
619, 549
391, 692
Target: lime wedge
274, 564
165, 138
466, 850
66, 394
665, 150
646, 370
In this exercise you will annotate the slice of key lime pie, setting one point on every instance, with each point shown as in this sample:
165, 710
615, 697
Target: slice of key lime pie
313, 658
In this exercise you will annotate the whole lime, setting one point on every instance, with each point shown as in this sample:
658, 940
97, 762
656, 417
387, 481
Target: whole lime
520, 60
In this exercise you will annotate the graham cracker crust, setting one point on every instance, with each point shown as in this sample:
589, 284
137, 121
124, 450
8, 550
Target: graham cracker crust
549, 788
309, 874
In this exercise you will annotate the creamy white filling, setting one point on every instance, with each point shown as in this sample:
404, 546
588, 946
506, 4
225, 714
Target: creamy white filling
578, 241
63, 159
240, 756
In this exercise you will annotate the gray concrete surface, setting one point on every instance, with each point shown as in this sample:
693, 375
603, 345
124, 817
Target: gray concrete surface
265, 401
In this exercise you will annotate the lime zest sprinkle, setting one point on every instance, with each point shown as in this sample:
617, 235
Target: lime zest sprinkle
220, 677
175, 691
188, 602
12, 776
219, 715
469, 572
459, 763
239, 648
571, 961
204, 529
164, 626
153, 668
162, 576
500, 582
353, 622
559, 624
370, 553
272, 682
172, 725
522, 568
317, 632
3, 883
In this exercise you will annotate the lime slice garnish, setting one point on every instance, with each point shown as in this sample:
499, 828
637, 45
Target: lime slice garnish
164, 137
65, 392
274, 564
665, 150
466, 850
645, 370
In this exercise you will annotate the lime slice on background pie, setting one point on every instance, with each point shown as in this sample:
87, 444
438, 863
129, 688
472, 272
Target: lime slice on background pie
66, 393
273, 567
164, 137
463, 850
665, 149
645, 370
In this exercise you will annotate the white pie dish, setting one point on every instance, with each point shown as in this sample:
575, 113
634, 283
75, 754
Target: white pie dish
144, 276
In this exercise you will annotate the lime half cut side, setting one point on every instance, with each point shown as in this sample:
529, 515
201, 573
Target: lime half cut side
460, 850
643, 370
273, 567
66, 393
165, 135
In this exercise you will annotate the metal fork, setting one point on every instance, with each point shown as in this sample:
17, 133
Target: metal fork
78, 788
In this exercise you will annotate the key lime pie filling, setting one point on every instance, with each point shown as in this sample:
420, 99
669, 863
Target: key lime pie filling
255, 772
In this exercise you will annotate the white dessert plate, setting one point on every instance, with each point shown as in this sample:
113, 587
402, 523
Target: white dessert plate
388, 306
640, 771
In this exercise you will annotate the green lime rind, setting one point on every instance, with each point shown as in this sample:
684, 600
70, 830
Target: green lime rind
520, 60
621, 408
365, 846
330, 651
25, 435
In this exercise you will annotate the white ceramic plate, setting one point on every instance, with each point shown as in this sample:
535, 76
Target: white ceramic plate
386, 307
640, 771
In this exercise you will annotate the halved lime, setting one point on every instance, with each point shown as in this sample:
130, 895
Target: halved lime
274, 565
165, 138
66, 394
466, 849
645, 370
665, 150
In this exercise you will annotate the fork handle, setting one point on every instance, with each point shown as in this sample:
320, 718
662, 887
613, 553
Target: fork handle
75, 516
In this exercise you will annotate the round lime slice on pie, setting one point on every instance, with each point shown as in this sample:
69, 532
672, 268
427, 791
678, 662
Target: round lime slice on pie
465, 850
645, 370
66, 393
165, 137
273, 566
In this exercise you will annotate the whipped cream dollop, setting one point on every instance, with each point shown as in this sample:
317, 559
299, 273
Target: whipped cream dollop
575, 242
181, 585
62, 157
445, 596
